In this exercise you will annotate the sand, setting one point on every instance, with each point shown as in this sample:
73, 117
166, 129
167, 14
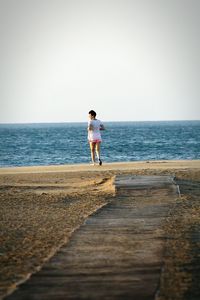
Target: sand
41, 207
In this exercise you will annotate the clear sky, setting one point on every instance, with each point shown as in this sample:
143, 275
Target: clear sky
129, 60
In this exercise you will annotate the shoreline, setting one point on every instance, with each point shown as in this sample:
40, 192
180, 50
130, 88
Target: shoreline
105, 167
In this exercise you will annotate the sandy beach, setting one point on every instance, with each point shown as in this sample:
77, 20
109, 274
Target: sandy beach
42, 206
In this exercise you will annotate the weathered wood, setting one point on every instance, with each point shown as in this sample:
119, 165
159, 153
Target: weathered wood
116, 253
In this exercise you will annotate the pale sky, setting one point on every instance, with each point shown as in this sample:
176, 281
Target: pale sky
130, 60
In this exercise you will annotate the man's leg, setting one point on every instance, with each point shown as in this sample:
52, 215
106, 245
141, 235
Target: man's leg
98, 153
92, 149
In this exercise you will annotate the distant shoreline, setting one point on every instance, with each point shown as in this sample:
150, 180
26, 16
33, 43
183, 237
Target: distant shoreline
106, 166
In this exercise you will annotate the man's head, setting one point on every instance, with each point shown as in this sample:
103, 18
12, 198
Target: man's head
92, 113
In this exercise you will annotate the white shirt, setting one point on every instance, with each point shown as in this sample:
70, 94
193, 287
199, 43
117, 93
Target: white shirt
94, 134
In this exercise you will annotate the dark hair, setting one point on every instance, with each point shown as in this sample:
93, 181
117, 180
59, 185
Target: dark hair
92, 113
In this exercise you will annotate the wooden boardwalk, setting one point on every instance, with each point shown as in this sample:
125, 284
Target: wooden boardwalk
116, 253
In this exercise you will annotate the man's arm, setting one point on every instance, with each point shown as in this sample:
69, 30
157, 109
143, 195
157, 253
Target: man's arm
90, 126
102, 127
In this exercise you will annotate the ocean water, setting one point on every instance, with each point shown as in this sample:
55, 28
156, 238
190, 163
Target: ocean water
66, 143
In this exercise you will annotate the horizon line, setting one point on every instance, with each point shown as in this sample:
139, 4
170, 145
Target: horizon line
120, 121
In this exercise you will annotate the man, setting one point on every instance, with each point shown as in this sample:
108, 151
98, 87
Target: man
94, 136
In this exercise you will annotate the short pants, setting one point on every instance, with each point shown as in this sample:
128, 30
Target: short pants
95, 141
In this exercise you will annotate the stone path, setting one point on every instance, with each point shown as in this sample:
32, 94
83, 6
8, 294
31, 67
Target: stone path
117, 253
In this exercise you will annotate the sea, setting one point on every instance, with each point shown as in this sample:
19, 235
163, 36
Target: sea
66, 143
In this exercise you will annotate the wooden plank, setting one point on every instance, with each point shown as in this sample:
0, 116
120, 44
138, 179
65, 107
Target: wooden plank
116, 253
